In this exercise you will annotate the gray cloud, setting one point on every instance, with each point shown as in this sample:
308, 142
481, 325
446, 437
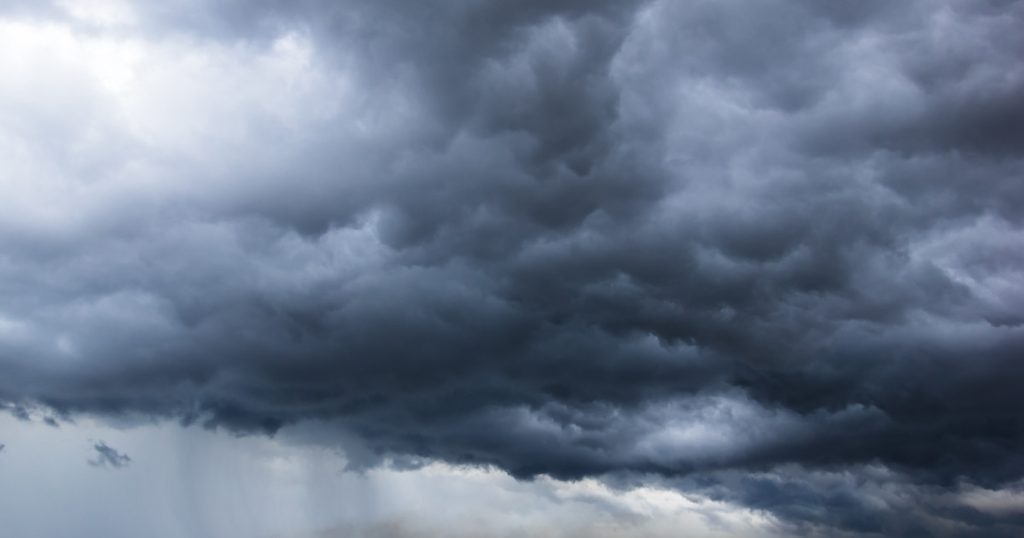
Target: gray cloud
865, 500
565, 238
18, 412
108, 457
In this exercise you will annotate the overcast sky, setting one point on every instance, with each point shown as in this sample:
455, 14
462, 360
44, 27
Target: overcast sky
473, 268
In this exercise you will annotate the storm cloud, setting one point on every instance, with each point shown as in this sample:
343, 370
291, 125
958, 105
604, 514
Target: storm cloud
750, 249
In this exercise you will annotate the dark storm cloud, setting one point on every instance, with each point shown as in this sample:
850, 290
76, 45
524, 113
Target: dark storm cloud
662, 237
108, 457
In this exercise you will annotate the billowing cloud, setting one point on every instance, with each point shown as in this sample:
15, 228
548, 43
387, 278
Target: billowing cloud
563, 238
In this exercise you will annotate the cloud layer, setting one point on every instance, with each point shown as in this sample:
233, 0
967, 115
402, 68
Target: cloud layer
565, 238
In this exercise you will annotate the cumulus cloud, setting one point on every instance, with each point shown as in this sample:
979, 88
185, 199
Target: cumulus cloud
565, 238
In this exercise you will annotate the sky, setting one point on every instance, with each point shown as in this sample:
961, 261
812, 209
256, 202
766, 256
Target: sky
557, 268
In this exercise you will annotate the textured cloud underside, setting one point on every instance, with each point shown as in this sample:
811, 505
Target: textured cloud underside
565, 238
